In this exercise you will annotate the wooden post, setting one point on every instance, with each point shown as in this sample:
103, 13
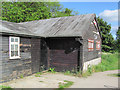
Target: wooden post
48, 55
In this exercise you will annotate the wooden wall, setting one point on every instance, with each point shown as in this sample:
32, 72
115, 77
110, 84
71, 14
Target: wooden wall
26, 65
58, 53
63, 53
44, 56
89, 55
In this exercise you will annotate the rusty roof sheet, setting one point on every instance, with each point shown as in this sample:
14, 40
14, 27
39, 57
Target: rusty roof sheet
71, 26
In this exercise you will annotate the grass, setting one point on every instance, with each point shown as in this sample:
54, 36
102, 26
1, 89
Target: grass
67, 73
109, 62
114, 75
21, 76
41, 81
52, 70
38, 74
66, 84
2, 87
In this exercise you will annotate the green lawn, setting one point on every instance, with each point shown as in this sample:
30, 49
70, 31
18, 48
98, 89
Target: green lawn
2, 87
109, 62
66, 84
114, 75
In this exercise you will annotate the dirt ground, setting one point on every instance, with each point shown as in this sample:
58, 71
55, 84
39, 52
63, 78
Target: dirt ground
49, 80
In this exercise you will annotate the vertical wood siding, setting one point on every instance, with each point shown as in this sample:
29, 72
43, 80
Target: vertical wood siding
44, 56
35, 54
61, 61
89, 55
14, 68
63, 53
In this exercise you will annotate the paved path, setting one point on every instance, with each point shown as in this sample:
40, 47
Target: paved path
97, 80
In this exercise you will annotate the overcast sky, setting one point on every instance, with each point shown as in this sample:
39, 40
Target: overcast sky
106, 10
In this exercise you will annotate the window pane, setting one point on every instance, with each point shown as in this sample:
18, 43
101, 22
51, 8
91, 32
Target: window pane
12, 53
16, 47
16, 39
16, 53
12, 39
12, 47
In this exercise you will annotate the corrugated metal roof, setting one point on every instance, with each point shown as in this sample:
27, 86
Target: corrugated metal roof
55, 27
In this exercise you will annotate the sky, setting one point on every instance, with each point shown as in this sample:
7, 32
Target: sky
106, 10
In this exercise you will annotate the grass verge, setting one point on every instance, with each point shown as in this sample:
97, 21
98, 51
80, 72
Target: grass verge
66, 84
2, 87
114, 75
109, 62
38, 74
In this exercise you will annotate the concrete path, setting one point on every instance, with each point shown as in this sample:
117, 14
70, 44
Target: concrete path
49, 80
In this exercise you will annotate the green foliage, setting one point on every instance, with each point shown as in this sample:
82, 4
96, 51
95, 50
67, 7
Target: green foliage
52, 70
118, 39
41, 81
38, 74
108, 42
109, 62
21, 76
67, 73
2, 87
66, 84
29, 11
24, 11
114, 75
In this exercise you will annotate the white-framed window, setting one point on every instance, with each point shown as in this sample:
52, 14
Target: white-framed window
97, 45
90, 45
14, 48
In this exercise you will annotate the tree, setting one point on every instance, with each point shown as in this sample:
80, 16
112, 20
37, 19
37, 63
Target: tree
29, 11
24, 11
107, 38
118, 39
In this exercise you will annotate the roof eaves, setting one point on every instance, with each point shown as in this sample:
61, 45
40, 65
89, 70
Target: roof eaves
20, 34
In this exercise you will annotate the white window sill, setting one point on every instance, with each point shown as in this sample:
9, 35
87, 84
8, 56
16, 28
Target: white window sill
14, 57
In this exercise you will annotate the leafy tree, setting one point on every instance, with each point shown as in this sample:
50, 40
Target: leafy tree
24, 11
118, 39
107, 38
65, 12
54, 7
29, 11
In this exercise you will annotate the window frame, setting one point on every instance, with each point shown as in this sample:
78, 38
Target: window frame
90, 45
14, 43
97, 43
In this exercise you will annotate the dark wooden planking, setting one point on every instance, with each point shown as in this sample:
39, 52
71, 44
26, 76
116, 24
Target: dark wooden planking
35, 54
61, 61
13, 68
87, 56
63, 53
44, 56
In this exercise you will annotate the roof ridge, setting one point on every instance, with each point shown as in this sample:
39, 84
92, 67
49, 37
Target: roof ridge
53, 27
48, 18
